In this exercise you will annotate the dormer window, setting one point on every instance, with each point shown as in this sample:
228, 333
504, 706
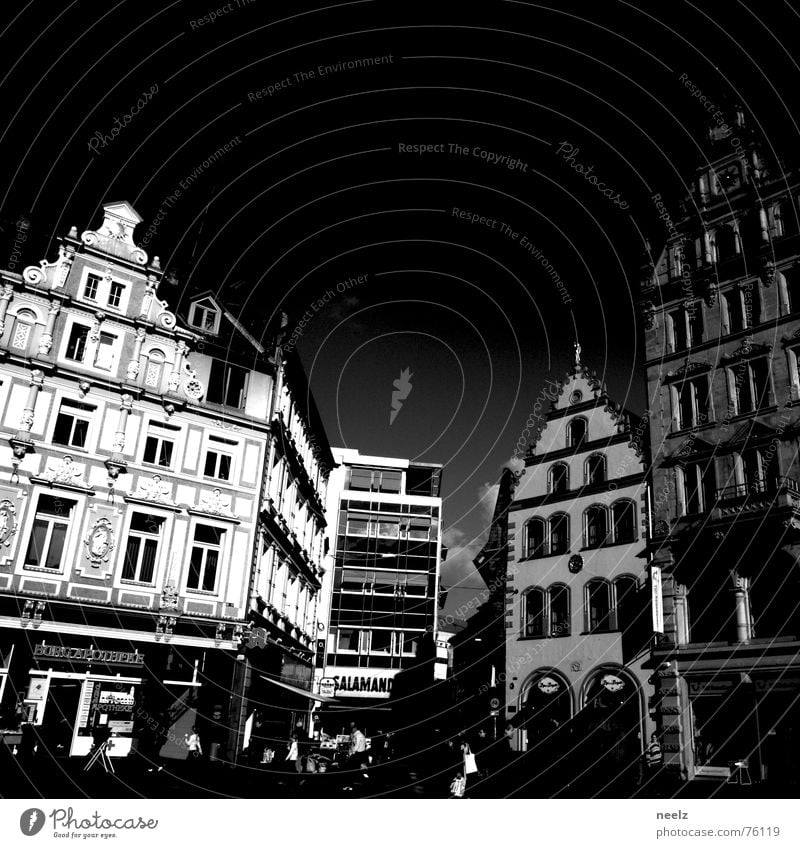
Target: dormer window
205, 316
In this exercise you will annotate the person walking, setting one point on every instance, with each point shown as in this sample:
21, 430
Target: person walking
303, 747
458, 786
193, 744
358, 748
292, 754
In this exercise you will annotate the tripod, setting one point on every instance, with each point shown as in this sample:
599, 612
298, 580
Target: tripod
101, 755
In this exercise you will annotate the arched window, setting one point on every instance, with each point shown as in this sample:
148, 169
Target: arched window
558, 598
559, 533
24, 322
534, 538
595, 469
154, 372
598, 606
533, 613
624, 513
576, 432
725, 239
596, 527
559, 478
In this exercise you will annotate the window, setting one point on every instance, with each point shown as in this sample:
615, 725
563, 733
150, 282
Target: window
72, 424
419, 528
576, 432
678, 329
534, 609
596, 530
24, 322
104, 355
154, 373
115, 295
375, 480
775, 221
141, 551
559, 478
559, 533
751, 383
699, 486
694, 315
219, 461
598, 606
49, 534
227, 384
90, 287
725, 242
411, 644
205, 316
348, 640
733, 314
790, 278
595, 469
381, 642
691, 398
624, 515
757, 470
159, 446
204, 560
558, 599
76, 346
534, 538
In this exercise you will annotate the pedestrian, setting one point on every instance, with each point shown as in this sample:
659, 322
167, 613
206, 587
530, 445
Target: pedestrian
192, 741
470, 762
292, 754
358, 748
303, 747
458, 786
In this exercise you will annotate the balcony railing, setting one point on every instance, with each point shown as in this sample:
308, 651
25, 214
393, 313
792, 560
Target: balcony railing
758, 486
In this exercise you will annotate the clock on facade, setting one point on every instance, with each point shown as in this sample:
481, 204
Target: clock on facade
575, 563
729, 177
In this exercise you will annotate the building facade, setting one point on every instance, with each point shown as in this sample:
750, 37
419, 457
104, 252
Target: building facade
577, 614
382, 601
722, 327
132, 501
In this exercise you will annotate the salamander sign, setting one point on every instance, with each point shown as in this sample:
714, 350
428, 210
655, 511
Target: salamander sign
365, 684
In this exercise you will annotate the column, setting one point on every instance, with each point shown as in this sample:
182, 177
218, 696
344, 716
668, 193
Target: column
133, 365
175, 377
762, 218
740, 588
122, 421
6, 293
46, 340
26, 421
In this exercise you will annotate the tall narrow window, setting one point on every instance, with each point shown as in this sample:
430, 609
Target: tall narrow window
699, 486
534, 614
534, 538
595, 469
141, 551
576, 432
219, 458
559, 478
624, 514
559, 603
48, 537
598, 606
76, 346
115, 295
791, 284
91, 286
72, 424
752, 385
734, 312
692, 402
227, 384
694, 313
596, 528
205, 557
154, 373
677, 324
559, 533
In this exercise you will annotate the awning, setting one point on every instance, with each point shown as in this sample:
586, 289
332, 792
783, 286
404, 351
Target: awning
304, 693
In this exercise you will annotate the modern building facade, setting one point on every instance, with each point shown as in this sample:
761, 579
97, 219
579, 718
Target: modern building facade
721, 306
133, 501
577, 609
382, 618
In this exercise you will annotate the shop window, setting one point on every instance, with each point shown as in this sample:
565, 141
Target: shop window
559, 533
598, 606
24, 322
76, 346
205, 316
104, 353
559, 478
49, 534
691, 397
219, 458
159, 446
154, 372
558, 600
72, 424
576, 432
141, 550
115, 295
534, 613
534, 538
751, 384
91, 286
595, 526
227, 384
624, 515
595, 469
205, 557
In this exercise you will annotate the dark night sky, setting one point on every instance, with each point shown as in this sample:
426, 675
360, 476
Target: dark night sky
316, 190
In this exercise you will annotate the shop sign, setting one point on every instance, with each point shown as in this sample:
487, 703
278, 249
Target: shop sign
327, 687
781, 684
365, 684
612, 683
657, 604
548, 685
710, 687
62, 652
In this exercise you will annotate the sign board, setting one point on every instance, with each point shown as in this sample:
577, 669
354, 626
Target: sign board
363, 682
88, 655
494, 704
327, 687
657, 604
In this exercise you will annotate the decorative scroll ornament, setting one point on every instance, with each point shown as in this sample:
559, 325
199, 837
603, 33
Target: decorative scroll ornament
64, 471
215, 504
99, 542
115, 236
8, 522
54, 273
153, 489
169, 598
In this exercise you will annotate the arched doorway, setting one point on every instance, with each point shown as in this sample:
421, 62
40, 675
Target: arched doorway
546, 707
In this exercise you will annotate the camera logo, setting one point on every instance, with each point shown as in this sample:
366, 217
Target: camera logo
31, 821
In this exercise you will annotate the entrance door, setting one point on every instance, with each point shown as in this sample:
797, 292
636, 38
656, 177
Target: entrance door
60, 715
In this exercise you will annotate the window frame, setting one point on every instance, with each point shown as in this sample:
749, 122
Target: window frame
206, 547
601, 510
78, 413
51, 521
25, 316
228, 369
527, 619
529, 550
213, 308
221, 446
553, 549
143, 536
551, 478
571, 442
624, 503
587, 474
608, 624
